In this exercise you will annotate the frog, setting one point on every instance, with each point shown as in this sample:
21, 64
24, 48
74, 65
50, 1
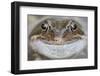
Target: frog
57, 39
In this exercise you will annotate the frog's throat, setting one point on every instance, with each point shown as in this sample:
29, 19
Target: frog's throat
59, 51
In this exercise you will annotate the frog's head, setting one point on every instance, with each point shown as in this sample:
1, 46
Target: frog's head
55, 38
53, 31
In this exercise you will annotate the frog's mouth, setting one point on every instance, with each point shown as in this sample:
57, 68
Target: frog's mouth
54, 51
59, 41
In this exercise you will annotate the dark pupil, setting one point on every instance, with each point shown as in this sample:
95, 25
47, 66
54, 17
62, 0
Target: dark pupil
43, 26
73, 28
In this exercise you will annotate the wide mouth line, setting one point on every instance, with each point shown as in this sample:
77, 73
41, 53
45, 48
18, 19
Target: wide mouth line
59, 43
63, 42
54, 44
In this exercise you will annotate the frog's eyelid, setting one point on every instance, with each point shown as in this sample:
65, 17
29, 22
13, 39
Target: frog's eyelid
74, 26
73, 23
68, 25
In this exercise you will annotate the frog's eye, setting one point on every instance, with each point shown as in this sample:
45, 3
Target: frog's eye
44, 27
47, 25
73, 27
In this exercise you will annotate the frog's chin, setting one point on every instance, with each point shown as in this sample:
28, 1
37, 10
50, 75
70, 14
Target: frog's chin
59, 51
